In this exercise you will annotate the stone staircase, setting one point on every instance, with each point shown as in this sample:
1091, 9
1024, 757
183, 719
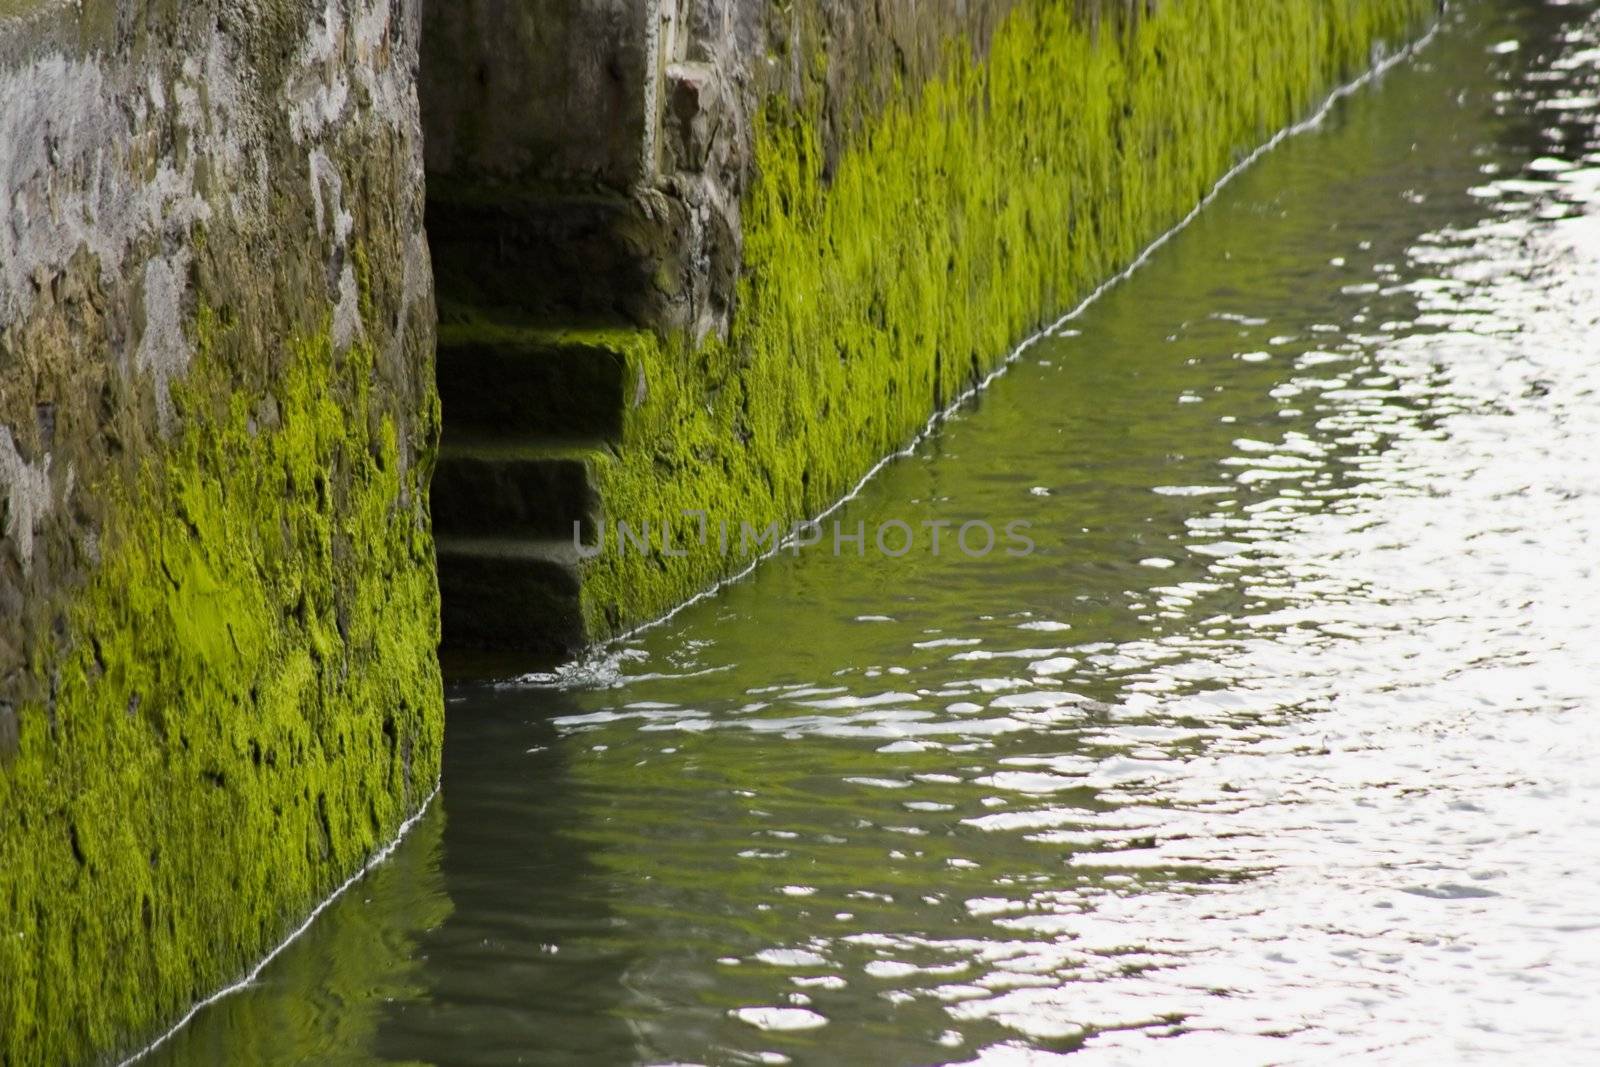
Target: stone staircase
530, 410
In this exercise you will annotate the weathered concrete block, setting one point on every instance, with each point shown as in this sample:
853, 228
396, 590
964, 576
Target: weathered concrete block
521, 93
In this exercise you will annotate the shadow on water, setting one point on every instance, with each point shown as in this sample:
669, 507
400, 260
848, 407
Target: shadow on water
445, 953
523, 950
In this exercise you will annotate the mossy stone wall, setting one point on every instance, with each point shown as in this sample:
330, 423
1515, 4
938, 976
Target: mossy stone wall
900, 234
218, 615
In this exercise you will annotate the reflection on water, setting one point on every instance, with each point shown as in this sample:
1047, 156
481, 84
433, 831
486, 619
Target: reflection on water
1278, 749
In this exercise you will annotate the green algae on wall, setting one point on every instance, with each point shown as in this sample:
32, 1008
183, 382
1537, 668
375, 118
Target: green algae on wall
218, 614
251, 706
363, 953
878, 286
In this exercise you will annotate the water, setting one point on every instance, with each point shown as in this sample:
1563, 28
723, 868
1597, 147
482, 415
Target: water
1278, 749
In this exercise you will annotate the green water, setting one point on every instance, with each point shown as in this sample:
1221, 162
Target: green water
1274, 750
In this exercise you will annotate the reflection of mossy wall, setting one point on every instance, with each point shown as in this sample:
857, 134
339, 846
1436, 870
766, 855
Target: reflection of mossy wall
878, 284
218, 612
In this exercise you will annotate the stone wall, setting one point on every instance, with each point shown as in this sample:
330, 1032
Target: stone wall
218, 687
894, 246
634, 117
845, 214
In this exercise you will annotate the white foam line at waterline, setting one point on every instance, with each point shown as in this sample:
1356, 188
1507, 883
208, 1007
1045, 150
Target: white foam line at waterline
1380, 67
255, 972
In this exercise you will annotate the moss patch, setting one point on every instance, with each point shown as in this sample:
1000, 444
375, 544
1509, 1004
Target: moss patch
956, 222
250, 705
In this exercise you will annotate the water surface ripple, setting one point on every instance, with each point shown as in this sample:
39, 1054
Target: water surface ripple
1278, 750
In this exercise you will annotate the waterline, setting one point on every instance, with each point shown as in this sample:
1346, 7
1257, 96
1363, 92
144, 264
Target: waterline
255, 972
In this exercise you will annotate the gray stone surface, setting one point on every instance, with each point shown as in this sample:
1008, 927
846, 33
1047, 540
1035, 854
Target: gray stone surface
159, 157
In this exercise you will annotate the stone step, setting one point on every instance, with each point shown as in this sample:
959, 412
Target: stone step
492, 487
554, 256
514, 380
510, 593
